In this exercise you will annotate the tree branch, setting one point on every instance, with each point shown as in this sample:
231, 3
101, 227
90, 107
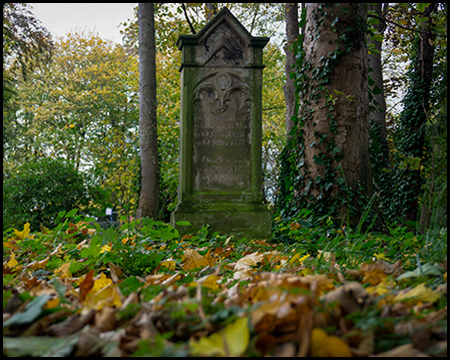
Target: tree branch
403, 27
187, 18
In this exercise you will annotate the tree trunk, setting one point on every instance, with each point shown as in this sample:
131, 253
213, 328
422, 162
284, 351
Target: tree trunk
292, 32
211, 10
334, 116
148, 139
378, 103
414, 116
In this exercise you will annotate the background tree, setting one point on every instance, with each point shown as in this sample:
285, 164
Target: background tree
292, 32
26, 45
411, 132
83, 107
148, 138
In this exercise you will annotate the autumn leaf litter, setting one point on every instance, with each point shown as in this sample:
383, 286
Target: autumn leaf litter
222, 298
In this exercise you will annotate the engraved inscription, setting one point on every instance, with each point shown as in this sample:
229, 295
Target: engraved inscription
222, 138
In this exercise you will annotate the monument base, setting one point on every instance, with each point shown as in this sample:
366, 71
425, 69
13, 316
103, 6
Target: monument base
251, 221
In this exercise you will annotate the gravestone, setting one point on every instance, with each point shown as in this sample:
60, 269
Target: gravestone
220, 130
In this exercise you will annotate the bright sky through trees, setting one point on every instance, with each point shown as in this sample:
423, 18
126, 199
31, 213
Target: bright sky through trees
104, 18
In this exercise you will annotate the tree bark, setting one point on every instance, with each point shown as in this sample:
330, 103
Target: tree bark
335, 110
292, 32
211, 10
148, 139
378, 103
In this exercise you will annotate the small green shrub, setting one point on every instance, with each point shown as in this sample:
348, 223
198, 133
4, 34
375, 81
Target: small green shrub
36, 192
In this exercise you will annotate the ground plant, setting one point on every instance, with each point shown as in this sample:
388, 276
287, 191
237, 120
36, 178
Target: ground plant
313, 289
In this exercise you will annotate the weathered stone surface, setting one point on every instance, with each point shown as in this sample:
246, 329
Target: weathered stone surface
220, 155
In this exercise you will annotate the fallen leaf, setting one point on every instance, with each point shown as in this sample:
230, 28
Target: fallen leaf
100, 283
116, 272
231, 341
108, 296
32, 310
86, 285
12, 263
406, 350
105, 248
323, 345
63, 271
192, 259
36, 265
419, 293
21, 235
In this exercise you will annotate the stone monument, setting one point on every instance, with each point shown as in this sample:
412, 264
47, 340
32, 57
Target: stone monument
220, 130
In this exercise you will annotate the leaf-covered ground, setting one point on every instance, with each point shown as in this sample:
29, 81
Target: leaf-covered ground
141, 289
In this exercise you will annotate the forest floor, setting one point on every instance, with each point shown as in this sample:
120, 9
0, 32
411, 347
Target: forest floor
141, 289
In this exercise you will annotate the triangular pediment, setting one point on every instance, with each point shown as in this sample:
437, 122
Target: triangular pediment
224, 41
224, 56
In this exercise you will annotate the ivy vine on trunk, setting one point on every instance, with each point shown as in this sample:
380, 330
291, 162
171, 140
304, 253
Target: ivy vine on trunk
327, 159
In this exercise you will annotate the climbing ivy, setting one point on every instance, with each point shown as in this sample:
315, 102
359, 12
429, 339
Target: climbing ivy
295, 184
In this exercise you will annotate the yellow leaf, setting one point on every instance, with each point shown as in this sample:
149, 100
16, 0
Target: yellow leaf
419, 293
101, 283
108, 296
12, 263
36, 265
63, 271
380, 256
323, 345
211, 282
105, 248
231, 341
169, 264
23, 234
52, 303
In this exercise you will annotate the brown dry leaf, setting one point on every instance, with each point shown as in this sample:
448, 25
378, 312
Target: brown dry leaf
407, 350
320, 283
86, 285
36, 265
253, 259
390, 269
192, 259
116, 272
105, 319
374, 277
351, 297
29, 280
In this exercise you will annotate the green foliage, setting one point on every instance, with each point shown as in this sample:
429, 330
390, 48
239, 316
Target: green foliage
36, 192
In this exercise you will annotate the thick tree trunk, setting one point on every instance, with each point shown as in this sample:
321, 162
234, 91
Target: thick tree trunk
148, 140
335, 109
292, 32
378, 103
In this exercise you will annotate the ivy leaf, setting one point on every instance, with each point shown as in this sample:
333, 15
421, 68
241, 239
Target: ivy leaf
32, 310
376, 90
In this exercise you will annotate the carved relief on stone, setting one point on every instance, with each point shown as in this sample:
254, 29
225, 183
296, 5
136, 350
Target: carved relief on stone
223, 47
219, 91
